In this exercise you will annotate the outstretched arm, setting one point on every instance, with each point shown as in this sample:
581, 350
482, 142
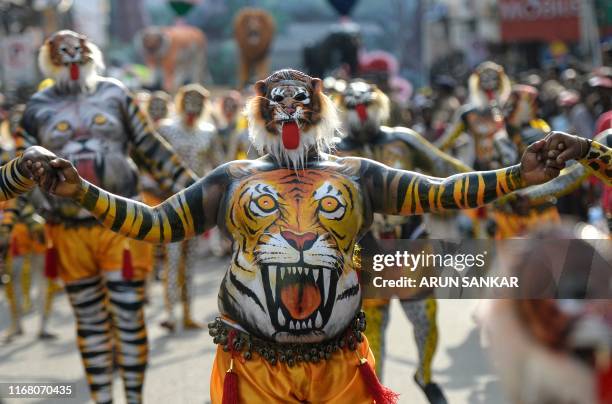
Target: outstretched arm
399, 192
186, 214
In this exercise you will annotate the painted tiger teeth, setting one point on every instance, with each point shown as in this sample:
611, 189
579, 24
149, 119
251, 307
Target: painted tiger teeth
318, 320
306, 270
283, 269
281, 318
326, 280
310, 323
297, 325
315, 273
291, 325
299, 270
272, 274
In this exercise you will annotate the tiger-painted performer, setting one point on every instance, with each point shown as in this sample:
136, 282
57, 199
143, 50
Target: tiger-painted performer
254, 32
482, 120
176, 54
197, 143
92, 121
26, 246
364, 110
291, 328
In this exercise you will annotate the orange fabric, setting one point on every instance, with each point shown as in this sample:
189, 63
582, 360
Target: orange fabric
142, 255
22, 243
334, 381
512, 225
84, 252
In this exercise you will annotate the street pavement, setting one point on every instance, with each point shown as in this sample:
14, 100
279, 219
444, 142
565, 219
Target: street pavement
180, 364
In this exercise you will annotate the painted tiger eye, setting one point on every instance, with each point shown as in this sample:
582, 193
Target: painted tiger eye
329, 204
266, 203
62, 126
99, 119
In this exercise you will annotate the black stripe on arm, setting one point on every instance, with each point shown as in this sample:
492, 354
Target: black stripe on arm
146, 225
175, 222
120, 214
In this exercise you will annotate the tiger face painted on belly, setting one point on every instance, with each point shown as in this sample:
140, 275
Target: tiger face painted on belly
292, 277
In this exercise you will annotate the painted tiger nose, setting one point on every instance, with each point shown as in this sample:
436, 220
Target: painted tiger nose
299, 241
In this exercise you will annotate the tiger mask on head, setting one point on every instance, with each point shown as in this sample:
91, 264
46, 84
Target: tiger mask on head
292, 278
489, 84
364, 107
70, 60
290, 117
191, 103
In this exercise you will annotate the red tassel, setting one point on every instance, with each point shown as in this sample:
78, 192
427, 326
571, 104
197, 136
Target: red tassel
604, 385
51, 267
380, 393
14, 248
230, 386
128, 269
230, 383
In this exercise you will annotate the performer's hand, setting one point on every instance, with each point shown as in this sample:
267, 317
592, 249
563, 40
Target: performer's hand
535, 167
562, 147
68, 182
35, 154
62, 179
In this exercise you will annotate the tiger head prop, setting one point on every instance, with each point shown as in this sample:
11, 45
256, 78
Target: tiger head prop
191, 103
254, 31
154, 42
70, 60
292, 277
158, 106
488, 85
364, 108
290, 117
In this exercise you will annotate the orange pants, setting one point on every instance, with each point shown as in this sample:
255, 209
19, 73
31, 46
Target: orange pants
24, 243
332, 381
85, 251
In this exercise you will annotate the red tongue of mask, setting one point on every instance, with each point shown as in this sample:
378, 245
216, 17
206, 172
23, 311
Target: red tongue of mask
190, 119
291, 135
362, 112
74, 71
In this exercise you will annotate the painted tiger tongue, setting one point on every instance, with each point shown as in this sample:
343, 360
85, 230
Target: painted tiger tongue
362, 112
301, 300
291, 135
74, 71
